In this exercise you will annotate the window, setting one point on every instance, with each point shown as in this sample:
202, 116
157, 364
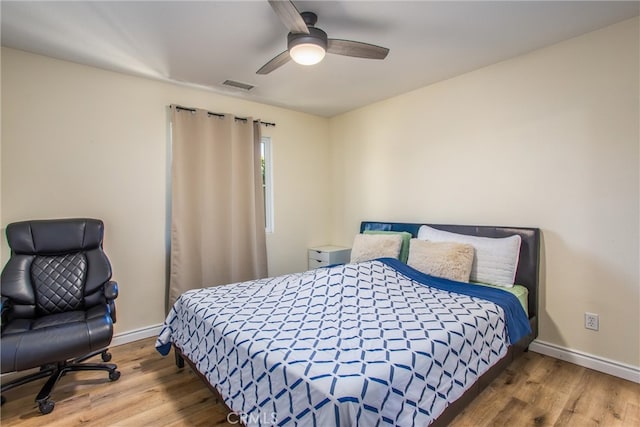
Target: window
267, 182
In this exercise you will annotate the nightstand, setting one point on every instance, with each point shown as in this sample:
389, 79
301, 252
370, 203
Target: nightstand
322, 256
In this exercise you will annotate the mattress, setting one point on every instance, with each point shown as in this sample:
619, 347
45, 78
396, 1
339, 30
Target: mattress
372, 343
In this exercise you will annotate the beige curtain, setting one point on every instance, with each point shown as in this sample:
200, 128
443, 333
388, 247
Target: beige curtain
217, 207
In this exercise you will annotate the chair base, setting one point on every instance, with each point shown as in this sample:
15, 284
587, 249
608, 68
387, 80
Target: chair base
57, 371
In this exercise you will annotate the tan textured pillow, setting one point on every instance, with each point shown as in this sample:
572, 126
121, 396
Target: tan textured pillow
371, 246
443, 259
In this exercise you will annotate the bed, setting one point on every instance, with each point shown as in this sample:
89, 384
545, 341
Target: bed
369, 343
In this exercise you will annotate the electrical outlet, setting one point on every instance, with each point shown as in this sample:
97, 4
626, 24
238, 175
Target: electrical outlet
591, 321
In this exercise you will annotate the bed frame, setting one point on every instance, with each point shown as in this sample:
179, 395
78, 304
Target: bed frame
527, 275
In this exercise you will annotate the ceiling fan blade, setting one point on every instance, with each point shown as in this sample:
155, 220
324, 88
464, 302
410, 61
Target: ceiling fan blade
276, 62
289, 16
357, 49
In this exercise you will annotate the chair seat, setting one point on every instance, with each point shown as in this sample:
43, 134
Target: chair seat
31, 343
57, 303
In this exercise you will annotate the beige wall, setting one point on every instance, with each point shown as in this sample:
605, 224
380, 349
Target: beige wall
549, 139
78, 141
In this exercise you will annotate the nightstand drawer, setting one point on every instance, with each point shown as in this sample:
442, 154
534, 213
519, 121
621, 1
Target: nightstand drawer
322, 256
319, 255
315, 263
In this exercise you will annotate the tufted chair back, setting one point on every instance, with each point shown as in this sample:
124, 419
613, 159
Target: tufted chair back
55, 266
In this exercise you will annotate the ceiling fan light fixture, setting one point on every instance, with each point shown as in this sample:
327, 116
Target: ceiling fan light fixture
307, 53
307, 44
307, 49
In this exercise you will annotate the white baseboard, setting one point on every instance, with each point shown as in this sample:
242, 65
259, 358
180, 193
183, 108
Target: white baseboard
135, 335
611, 367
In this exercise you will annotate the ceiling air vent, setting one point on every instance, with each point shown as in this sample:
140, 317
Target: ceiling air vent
238, 85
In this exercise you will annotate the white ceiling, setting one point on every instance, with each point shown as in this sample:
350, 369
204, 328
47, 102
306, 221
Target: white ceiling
204, 43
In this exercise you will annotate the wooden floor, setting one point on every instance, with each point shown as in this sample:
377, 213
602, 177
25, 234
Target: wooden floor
536, 390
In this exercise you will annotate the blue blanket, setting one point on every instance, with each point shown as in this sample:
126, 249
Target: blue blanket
516, 319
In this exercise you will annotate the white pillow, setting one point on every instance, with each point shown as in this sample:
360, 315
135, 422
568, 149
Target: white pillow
371, 246
495, 261
449, 260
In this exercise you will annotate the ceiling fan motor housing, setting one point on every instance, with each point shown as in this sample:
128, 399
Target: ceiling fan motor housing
316, 36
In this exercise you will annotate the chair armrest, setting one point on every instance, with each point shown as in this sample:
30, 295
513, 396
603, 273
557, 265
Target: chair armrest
111, 290
111, 293
5, 307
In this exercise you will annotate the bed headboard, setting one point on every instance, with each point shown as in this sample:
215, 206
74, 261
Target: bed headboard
528, 264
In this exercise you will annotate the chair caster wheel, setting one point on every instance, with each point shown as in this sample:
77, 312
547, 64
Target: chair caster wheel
46, 407
114, 375
106, 356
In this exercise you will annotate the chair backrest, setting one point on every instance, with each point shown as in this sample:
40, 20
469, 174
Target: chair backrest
55, 266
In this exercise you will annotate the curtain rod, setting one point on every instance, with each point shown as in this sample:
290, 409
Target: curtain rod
242, 119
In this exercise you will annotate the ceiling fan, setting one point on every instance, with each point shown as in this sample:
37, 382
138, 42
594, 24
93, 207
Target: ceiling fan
307, 44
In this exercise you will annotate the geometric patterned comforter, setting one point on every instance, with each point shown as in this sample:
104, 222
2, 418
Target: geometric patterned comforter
361, 344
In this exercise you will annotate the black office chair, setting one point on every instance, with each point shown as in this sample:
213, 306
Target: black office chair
57, 302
